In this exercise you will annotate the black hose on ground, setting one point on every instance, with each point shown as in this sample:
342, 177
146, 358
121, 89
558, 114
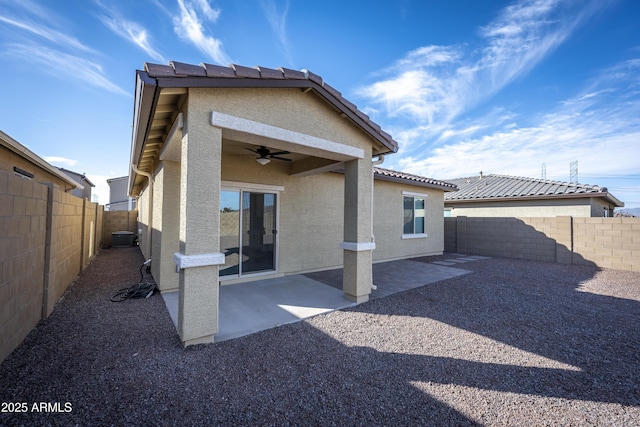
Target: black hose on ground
142, 289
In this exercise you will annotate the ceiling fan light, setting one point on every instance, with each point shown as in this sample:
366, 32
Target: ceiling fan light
262, 160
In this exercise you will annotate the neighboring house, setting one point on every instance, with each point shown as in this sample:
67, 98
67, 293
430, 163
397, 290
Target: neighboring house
511, 196
248, 173
17, 159
119, 199
84, 193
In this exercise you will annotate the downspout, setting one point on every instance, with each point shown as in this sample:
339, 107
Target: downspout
373, 175
150, 213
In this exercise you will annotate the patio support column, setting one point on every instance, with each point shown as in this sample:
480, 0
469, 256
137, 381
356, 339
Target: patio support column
199, 257
170, 225
357, 245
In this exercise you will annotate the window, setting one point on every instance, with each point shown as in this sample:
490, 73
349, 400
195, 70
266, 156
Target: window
414, 212
22, 173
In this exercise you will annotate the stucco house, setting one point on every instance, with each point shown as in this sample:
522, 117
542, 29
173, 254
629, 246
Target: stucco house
18, 160
119, 199
249, 173
83, 193
512, 196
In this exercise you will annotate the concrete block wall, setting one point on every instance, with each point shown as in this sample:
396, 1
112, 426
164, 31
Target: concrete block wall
608, 242
66, 244
23, 210
602, 242
118, 221
45, 238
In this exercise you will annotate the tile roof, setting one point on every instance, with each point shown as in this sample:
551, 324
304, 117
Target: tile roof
396, 176
500, 187
208, 75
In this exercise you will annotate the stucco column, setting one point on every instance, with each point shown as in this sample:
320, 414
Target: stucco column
199, 256
357, 245
170, 227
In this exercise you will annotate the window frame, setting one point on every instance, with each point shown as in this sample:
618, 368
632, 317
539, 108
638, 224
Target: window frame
242, 187
415, 196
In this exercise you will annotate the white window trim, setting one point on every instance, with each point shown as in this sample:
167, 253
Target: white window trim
415, 235
235, 185
412, 194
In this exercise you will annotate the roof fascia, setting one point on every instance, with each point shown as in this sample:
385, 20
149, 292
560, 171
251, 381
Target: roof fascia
145, 102
614, 200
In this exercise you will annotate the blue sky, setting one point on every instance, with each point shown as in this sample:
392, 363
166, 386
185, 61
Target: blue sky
464, 86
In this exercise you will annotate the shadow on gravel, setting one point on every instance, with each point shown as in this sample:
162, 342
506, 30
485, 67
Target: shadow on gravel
539, 308
96, 362
122, 363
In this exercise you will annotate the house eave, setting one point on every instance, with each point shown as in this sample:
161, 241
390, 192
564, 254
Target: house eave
607, 196
145, 101
414, 183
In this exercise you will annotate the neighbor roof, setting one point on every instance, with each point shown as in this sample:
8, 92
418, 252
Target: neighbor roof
19, 149
403, 177
504, 187
81, 176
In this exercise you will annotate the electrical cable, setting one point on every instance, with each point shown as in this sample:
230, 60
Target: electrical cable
142, 289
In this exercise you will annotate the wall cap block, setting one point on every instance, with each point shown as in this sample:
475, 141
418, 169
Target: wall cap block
200, 260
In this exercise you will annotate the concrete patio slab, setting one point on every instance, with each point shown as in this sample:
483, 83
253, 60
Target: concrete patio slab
395, 276
246, 308
399, 276
445, 263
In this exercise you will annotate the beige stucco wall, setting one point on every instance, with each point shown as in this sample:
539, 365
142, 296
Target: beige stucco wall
311, 208
388, 222
311, 216
143, 222
289, 109
8, 159
311, 212
576, 207
601, 208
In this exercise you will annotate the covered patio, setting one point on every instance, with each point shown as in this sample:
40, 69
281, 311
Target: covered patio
246, 308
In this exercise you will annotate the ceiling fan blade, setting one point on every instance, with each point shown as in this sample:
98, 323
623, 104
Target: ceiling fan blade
277, 153
279, 158
253, 151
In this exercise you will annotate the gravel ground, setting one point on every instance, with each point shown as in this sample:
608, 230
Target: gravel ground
513, 343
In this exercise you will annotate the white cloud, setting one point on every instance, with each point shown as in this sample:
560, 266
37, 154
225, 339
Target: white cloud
47, 33
278, 23
189, 27
598, 127
59, 65
63, 56
433, 85
129, 30
60, 160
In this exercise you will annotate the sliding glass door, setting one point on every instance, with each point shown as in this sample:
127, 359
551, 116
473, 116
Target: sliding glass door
247, 232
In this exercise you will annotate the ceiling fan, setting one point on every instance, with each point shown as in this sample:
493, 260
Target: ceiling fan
265, 155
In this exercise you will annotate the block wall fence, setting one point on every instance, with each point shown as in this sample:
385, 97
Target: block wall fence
47, 237
601, 242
